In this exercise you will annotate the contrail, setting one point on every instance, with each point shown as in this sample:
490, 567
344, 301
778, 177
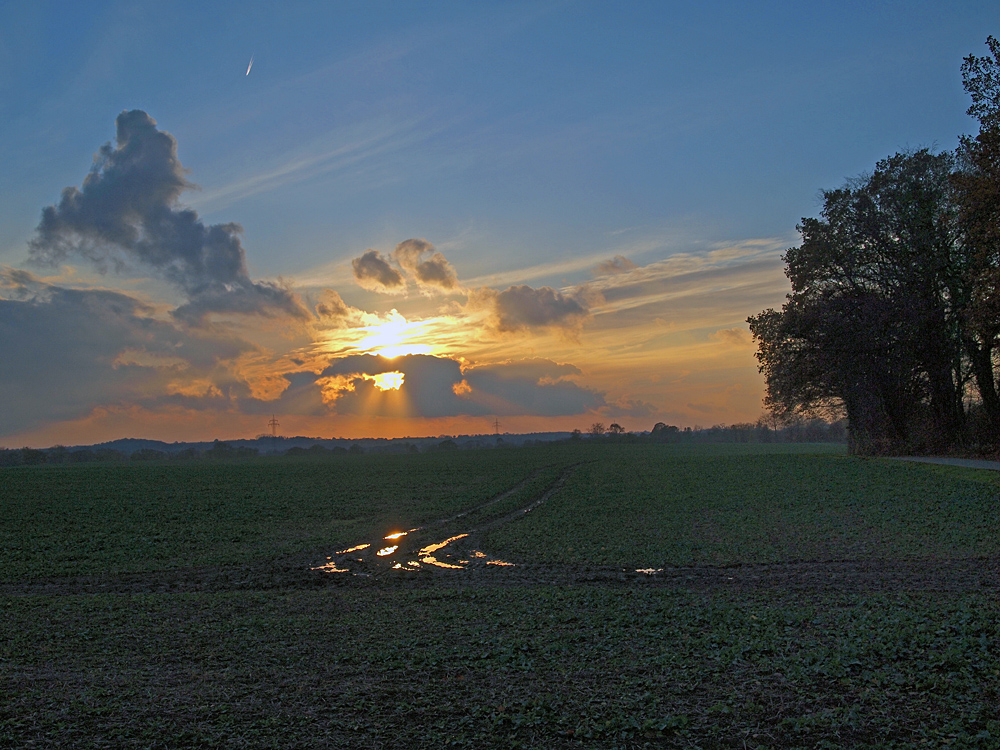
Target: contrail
250, 65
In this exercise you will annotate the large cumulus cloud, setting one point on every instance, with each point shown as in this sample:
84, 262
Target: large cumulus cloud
126, 213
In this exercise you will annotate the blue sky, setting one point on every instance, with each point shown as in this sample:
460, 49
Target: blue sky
527, 142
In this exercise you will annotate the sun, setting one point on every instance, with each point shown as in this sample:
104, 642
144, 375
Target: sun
393, 338
387, 381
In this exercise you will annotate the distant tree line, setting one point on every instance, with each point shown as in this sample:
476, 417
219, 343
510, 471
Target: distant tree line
219, 451
767, 429
893, 320
61, 455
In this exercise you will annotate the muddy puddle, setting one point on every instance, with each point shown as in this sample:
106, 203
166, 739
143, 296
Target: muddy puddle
436, 546
457, 552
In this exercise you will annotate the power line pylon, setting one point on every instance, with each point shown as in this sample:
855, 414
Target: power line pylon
273, 424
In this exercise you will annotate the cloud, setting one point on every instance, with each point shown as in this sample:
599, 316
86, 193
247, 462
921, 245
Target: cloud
432, 271
435, 386
415, 258
127, 212
531, 386
523, 307
332, 310
739, 338
69, 351
629, 408
374, 273
618, 264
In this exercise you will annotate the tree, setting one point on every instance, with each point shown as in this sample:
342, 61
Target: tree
663, 432
615, 429
981, 78
220, 450
977, 196
872, 325
597, 429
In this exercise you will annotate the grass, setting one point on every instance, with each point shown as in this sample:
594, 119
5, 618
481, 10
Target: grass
133, 518
644, 506
500, 662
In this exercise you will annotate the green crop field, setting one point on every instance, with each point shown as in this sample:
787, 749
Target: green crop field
591, 596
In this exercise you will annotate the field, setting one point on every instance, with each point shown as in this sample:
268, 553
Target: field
591, 596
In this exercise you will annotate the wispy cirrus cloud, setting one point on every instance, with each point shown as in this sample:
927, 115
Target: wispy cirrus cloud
343, 149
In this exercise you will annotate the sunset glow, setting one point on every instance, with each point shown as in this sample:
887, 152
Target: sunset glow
394, 338
377, 233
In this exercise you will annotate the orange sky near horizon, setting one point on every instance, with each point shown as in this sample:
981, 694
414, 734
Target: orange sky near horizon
417, 219
640, 344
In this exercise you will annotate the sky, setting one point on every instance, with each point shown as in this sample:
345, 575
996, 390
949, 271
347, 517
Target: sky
388, 219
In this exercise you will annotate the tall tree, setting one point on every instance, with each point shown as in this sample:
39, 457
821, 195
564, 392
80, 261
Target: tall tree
977, 197
872, 324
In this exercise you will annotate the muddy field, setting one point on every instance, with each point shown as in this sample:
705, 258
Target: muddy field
541, 601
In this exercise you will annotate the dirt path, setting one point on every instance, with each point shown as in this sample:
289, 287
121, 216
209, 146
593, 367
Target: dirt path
968, 463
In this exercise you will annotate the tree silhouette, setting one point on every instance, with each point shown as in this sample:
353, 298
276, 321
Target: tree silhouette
873, 324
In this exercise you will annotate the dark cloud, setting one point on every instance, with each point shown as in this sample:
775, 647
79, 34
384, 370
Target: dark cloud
427, 389
415, 258
302, 396
428, 267
618, 264
126, 213
67, 351
373, 272
438, 387
532, 386
523, 307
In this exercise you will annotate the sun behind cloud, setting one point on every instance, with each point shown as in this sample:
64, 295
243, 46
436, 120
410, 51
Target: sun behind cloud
395, 337
386, 381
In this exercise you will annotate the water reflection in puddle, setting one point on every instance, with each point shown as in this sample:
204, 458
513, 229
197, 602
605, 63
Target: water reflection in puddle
357, 548
649, 571
429, 556
331, 567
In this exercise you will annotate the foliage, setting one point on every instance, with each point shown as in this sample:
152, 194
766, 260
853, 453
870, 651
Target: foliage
873, 319
977, 195
895, 302
981, 78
